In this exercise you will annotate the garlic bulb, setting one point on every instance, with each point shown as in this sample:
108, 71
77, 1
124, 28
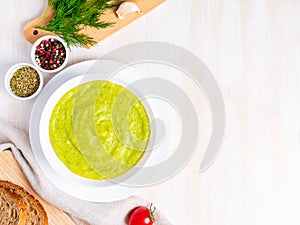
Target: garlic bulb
127, 8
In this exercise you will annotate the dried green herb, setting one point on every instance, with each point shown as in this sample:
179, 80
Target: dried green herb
71, 16
25, 81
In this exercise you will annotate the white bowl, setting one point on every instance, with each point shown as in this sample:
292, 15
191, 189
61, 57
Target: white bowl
9, 75
47, 37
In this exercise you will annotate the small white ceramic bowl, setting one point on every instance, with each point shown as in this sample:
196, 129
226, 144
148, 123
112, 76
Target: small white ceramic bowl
47, 37
11, 72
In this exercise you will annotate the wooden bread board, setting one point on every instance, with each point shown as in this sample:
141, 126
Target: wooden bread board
110, 16
11, 171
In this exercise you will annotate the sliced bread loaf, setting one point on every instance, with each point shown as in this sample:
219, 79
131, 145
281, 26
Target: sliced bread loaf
12, 208
35, 213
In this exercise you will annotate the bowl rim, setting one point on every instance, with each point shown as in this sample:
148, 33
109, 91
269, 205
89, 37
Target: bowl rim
37, 42
9, 75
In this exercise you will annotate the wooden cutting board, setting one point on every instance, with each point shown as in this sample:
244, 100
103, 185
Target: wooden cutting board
32, 34
11, 171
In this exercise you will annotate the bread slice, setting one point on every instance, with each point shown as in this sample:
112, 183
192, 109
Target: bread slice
12, 208
35, 213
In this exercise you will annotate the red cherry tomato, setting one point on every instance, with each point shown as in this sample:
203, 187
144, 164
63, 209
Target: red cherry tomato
142, 216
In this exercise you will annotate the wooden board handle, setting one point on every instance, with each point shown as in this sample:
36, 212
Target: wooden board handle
31, 33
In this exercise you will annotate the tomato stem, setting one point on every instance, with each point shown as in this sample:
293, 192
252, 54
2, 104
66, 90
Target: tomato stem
152, 209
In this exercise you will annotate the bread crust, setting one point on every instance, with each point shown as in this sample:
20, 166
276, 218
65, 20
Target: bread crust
26, 197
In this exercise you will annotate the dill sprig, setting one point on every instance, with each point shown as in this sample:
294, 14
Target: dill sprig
71, 16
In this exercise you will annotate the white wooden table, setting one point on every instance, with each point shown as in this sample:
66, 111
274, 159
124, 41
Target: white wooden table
253, 50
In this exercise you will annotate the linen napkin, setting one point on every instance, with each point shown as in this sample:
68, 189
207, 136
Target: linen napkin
83, 212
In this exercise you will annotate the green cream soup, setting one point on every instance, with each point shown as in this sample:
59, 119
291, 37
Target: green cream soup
120, 123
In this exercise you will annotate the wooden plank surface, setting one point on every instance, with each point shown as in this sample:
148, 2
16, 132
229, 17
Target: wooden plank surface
11, 171
98, 34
